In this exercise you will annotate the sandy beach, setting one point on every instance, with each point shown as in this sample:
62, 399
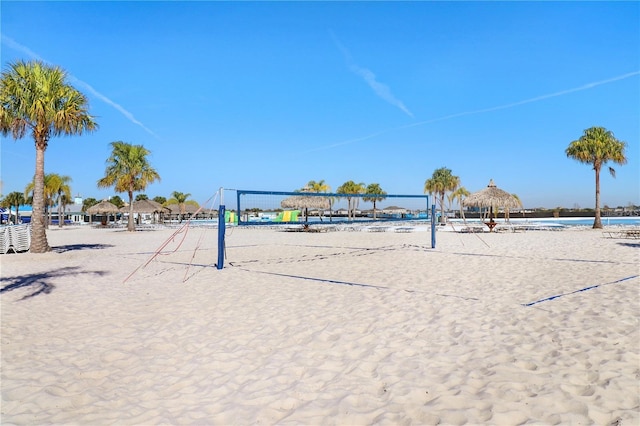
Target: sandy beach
335, 328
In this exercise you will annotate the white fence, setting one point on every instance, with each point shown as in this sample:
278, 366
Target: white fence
15, 237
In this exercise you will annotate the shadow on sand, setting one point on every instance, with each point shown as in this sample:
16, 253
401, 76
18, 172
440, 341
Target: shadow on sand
634, 245
39, 283
71, 247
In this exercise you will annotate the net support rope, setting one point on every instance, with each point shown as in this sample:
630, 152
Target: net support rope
182, 230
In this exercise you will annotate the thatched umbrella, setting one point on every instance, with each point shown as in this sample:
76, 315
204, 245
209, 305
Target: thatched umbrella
146, 206
306, 202
491, 197
103, 207
188, 208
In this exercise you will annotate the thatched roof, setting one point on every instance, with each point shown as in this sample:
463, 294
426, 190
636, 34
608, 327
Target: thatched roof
103, 207
145, 206
491, 196
188, 207
305, 202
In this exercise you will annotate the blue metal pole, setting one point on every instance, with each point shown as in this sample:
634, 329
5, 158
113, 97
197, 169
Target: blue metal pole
221, 231
433, 226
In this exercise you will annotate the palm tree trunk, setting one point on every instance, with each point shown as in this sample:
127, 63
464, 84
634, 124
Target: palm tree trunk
130, 225
597, 223
60, 218
39, 242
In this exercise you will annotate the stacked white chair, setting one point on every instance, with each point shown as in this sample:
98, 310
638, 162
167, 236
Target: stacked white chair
4, 240
16, 238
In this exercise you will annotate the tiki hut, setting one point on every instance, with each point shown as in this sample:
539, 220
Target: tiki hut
189, 210
147, 206
306, 202
491, 197
103, 208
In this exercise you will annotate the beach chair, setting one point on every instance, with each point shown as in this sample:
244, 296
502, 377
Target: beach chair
4, 240
622, 233
632, 233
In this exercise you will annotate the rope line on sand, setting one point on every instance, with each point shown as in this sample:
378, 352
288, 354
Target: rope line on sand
546, 299
347, 283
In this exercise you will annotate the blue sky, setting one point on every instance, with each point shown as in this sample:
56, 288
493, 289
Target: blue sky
271, 95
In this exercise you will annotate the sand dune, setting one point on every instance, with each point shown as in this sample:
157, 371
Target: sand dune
330, 328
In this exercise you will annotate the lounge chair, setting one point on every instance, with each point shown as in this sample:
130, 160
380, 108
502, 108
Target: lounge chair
622, 233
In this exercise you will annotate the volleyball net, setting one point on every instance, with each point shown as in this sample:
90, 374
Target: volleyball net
313, 208
302, 209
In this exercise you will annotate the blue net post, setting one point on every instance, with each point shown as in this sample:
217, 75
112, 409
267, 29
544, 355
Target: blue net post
221, 232
433, 226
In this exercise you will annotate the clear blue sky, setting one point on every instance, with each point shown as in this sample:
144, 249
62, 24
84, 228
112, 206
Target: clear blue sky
271, 95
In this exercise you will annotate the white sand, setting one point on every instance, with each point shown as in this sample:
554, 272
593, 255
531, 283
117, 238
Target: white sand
346, 328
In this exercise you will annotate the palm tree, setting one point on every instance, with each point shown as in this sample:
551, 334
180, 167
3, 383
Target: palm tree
441, 182
14, 198
319, 186
62, 190
347, 188
128, 170
179, 198
375, 193
35, 97
596, 146
457, 195
55, 186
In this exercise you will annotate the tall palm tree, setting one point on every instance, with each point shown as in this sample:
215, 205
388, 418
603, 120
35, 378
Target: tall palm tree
441, 182
14, 198
458, 195
179, 198
36, 97
597, 146
348, 188
55, 186
128, 170
375, 193
62, 190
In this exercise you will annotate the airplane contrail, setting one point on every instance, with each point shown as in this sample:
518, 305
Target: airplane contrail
528, 101
8, 41
381, 90
480, 111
